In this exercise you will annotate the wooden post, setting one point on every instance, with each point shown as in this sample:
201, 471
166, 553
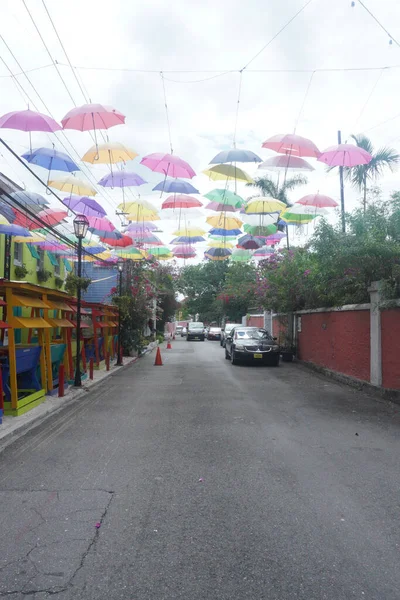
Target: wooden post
11, 354
47, 349
42, 358
91, 367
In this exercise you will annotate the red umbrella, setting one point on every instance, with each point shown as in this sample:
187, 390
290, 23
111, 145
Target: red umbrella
52, 216
317, 200
123, 242
292, 144
181, 201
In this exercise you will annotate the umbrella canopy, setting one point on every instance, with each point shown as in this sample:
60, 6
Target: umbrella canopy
300, 209
92, 116
235, 155
224, 221
72, 185
318, 200
142, 226
188, 239
34, 238
142, 214
7, 212
263, 252
31, 200
259, 220
184, 252
260, 230
345, 155
28, 120
226, 197
106, 236
218, 207
189, 231
181, 201
222, 238
159, 251
51, 159
217, 253
121, 179
261, 205
175, 186
249, 242
219, 244
84, 206
168, 164
117, 242
132, 206
101, 223
224, 232
131, 253
225, 172
292, 144
14, 230
275, 238
146, 237
241, 255
51, 216
285, 163
296, 218
109, 153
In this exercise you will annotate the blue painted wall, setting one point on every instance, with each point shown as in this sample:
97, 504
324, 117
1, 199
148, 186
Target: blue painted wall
99, 291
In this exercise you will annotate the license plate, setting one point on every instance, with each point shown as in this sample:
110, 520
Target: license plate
258, 355
196, 338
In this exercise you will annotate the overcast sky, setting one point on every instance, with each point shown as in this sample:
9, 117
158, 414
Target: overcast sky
104, 38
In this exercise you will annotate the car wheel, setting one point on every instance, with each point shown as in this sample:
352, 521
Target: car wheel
226, 354
233, 358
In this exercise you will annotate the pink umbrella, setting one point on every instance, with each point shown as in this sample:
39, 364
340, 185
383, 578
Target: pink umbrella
345, 155
317, 200
283, 163
181, 201
184, 252
220, 207
28, 120
170, 165
92, 116
101, 223
292, 144
52, 216
275, 238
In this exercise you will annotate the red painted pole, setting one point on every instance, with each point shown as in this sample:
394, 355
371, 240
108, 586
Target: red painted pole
61, 381
84, 366
91, 367
1, 391
107, 362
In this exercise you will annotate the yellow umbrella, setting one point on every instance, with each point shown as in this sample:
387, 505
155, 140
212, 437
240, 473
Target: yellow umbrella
189, 232
131, 207
263, 206
215, 244
32, 239
140, 255
109, 154
72, 185
4, 221
223, 222
223, 172
142, 214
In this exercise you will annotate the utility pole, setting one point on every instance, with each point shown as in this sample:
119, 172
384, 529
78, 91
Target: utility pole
339, 135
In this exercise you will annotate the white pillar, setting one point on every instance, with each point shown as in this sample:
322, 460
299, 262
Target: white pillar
375, 333
244, 321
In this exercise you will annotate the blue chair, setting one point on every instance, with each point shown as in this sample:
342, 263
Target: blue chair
27, 360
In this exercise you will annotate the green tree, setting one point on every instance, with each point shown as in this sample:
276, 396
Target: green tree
201, 285
362, 175
268, 187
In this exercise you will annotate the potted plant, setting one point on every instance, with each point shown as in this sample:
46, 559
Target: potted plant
288, 349
20, 271
73, 282
58, 281
43, 275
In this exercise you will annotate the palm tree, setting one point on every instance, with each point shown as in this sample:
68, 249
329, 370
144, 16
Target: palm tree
363, 174
268, 187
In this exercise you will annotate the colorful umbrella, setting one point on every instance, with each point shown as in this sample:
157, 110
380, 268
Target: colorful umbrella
218, 207
260, 230
217, 253
263, 252
101, 223
106, 236
275, 238
7, 212
241, 255
175, 186
51, 159
226, 172
84, 205
184, 252
285, 163
235, 155
118, 242
191, 231
345, 155
188, 239
51, 216
222, 238
91, 117
142, 226
224, 232
181, 201
224, 221
72, 185
264, 205
296, 218
109, 153
121, 179
142, 214
168, 164
28, 120
146, 237
131, 252
249, 242
34, 238
292, 144
14, 230
318, 200
226, 197
159, 251
300, 209
35, 202
219, 244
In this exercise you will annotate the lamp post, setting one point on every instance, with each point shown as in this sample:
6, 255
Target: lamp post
120, 265
81, 225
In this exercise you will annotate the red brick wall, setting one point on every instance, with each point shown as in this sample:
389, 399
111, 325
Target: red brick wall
390, 323
279, 328
339, 341
253, 321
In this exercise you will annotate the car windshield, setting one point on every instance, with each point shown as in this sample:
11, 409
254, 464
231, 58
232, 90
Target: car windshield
252, 334
196, 325
229, 327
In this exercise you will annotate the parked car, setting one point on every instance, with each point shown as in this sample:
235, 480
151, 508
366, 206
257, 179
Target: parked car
252, 345
214, 333
183, 332
225, 331
178, 330
195, 331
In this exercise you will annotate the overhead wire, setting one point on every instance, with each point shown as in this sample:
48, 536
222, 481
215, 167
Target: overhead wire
393, 39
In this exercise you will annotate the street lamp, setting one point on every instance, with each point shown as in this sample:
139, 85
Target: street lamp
120, 265
81, 225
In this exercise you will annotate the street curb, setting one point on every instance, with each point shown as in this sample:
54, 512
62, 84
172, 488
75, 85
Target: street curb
12, 436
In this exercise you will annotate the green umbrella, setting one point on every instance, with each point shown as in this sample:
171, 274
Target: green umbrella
222, 196
159, 251
261, 230
241, 255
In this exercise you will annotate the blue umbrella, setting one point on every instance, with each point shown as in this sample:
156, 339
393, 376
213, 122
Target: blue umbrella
7, 212
51, 159
250, 242
217, 253
216, 231
31, 200
84, 205
175, 186
94, 249
187, 239
111, 235
14, 230
235, 155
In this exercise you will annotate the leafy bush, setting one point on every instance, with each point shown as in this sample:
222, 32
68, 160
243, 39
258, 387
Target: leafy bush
20, 271
58, 281
73, 283
43, 275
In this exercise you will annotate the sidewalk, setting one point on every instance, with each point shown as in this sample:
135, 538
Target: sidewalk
13, 427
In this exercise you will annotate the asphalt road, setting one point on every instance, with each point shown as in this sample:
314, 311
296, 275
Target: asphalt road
206, 482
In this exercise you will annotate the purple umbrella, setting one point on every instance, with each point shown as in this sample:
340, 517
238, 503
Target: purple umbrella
175, 186
220, 207
84, 205
28, 120
121, 179
141, 226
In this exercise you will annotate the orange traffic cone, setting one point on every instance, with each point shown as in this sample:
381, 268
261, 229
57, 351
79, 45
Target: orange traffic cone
158, 362
169, 345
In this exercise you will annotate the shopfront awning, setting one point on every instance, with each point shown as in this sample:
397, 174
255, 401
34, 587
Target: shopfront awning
29, 302
31, 323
